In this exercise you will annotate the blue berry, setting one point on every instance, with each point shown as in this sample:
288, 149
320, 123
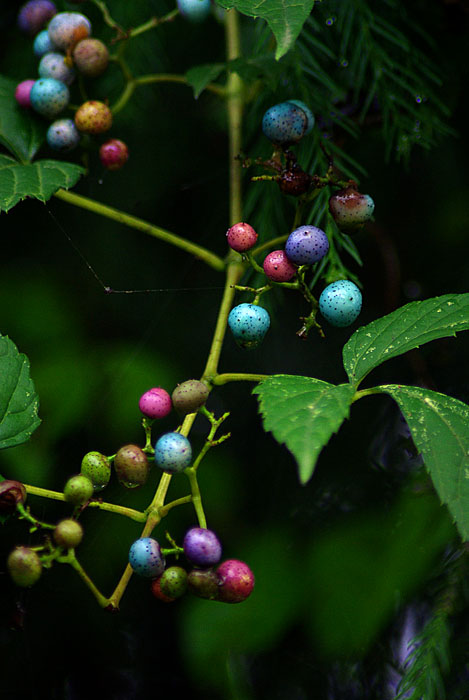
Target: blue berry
202, 547
194, 10
63, 135
52, 65
173, 452
340, 303
49, 97
306, 245
42, 43
285, 123
145, 557
307, 111
249, 324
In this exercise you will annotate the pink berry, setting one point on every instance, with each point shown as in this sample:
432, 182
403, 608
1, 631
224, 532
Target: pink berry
114, 154
235, 581
155, 403
22, 93
241, 237
277, 266
350, 208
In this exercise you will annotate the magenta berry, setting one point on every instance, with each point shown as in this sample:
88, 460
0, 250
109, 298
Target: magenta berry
278, 267
91, 57
68, 28
114, 154
155, 403
24, 566
189, 396
202, 547
34, 14
131, 466
12, 493
350, 208
145, 558
49, 97
23, 91
68, 533
235, 581
306, 245
241, 237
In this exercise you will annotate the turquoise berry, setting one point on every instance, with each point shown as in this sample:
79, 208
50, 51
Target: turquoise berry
284, 123
340, 303
49, 97
42, 43
194, 10
173, 452
145, 557
277, 266
53, 65
306, 245
249, 323
307, 111
63, 135
68, 28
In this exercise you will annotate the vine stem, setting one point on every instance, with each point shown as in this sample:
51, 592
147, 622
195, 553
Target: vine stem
227, 377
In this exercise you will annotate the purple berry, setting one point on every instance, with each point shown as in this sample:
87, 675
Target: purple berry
23, 93
241, 237
340, 303
49, 97
34, 14
155, 403
277, 266
285, 123
249, 323
173, 452
350, 208
235, 581
62, 135
145, 557
53, 65
306, 245
68, 28
202, 547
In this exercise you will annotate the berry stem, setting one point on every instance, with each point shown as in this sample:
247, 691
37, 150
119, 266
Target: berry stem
227, 377
71, 559
25, 514
191, 474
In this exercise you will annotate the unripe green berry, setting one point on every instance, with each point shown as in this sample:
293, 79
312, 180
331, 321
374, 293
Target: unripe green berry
97, 468
189, 396
24, 566
78, 490
68, 533
132, 467
203, 583
173, 581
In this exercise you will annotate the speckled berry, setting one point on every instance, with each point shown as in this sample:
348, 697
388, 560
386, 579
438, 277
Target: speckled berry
306, 245
241, 237
62, 135
114, 154
189, 396
284, 123
145, 558
235, 581
194, 10
23, 93
309, 115
131, 466
173, 581
24, 566
93, 117
294, 181
78, 490
68, 28
34, 15
97, 468
173, 452
249, 323
155, 403
53, 65
202, 547
340, 303
351, 209
68, 533
49, 97
158, 593
91, 57
12, 493
278, 267
203, 583
42, 43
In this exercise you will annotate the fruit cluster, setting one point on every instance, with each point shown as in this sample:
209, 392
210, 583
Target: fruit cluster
65, 47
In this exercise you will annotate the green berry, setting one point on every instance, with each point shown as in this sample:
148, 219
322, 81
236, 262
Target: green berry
173, 582
78, 490
68, 533
132, 467
97, 468
189, 396
24, 566
203, 583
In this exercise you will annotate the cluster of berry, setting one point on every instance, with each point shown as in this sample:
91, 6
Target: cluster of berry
64, 47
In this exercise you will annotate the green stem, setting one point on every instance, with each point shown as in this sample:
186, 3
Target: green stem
44, 493
191, 474
71, 559
79, 200
227, 377
26, 515
269, 244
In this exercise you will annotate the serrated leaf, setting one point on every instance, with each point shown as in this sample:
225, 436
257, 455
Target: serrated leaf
38, 180
200, 76
402, 330
18, 399
303, 413
21, 131
284, 17
440, 429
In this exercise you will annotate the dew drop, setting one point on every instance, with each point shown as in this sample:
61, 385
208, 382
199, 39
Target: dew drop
331, 20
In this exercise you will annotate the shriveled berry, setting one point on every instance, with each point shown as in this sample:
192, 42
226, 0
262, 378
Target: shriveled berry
49, 97
62, 135
78, 490
173, 452
34, 14
278, 267
189, 396
68, 28
114, 154
340, 303
241, 237
155, 403
42, 43
235, 581
202, 547
53, 65
145, 557
194, 10
294, 182
306, 245
132, 467
351, 209
91, 57
11, 494
93, 117
173, 581
24, 566
203, 583
23, 93
97, 468
158, 593
284, 123
68, 533
249, 323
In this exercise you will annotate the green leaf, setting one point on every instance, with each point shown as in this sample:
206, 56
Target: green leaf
440, 429
21, 131
18, 399
39, 180
284, 17
404, 329
200, 76
303, 413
